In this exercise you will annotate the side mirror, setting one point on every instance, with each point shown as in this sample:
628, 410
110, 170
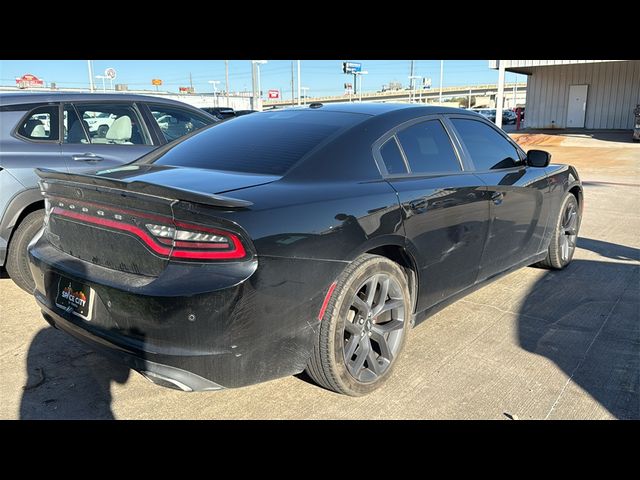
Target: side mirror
538, 158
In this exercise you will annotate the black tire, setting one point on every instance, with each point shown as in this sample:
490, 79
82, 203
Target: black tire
327, 365
17, 261
102, 131
557, 259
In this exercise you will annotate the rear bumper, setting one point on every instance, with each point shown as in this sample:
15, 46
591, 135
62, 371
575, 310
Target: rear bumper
199, 326
160, 374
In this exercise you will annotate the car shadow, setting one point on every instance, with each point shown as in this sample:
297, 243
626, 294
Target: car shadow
67, 380
586, 319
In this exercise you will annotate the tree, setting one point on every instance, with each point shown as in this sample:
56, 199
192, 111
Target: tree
463, 101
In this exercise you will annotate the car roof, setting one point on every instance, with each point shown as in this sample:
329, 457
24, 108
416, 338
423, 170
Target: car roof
374, 109
45, 97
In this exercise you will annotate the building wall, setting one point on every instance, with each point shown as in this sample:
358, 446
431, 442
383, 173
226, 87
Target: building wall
541, 63
613, 93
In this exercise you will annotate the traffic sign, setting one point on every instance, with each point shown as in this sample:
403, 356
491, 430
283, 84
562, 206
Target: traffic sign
156, 81
273, 94
110, 73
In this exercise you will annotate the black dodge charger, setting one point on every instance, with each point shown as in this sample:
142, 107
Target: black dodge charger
310, 238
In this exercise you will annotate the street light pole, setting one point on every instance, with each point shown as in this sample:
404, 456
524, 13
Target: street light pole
104, 88
257, 95
215, 90
299, 88
360, 74
441, 74
90, 67
500, 95
305, 95
226, 80
411, 92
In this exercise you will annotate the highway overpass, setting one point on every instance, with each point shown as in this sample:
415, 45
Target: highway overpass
424, 96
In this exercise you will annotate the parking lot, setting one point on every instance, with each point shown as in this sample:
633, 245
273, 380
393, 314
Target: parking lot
536, 344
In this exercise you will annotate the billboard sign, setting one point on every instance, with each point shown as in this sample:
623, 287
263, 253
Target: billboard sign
156, 81
27, 81
351, 67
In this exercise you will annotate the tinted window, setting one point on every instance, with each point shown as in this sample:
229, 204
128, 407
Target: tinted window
428, 148
112, 123
392, 157
267, 142
177, 122
40, 124
488, 149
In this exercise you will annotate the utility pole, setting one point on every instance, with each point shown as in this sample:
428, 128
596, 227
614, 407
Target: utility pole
292, 84
515, 91
469, 102
226, 79
411, 75
191, 82
299, 83
441, 72
90, 67
254, 86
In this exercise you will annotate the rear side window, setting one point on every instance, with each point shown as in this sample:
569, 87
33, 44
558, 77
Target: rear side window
488, 149
40, 124
392, 157
265, 143
428, 148
177, 122
110, 123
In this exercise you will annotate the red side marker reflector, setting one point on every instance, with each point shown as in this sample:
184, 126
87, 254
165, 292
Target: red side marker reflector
326, 300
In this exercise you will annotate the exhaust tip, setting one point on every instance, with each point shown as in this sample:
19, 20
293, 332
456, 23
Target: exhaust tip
165, 381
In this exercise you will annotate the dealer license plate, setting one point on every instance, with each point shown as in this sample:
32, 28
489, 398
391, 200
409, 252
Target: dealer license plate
75, 297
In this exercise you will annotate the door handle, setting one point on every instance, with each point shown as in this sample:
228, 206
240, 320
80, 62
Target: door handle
497, 197
87, 157
418, 206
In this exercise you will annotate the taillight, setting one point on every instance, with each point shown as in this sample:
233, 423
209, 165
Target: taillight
183, 241
190, 241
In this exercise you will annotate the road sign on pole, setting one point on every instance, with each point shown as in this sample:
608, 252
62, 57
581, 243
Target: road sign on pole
110, 73
273, 94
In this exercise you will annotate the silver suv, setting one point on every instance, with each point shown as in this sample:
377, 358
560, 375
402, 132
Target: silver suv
72, 132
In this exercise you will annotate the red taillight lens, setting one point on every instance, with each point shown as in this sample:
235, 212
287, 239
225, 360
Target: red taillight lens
182, 241
193, 242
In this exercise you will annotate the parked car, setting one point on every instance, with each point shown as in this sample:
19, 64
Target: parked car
239, 113
224, 113
312, 239
44, 130
220, 112
508, 117
489, 113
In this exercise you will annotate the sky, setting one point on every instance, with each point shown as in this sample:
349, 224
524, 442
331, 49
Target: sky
322, 77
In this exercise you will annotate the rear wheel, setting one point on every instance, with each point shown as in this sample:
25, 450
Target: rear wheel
364, 328
565, 235
17, 261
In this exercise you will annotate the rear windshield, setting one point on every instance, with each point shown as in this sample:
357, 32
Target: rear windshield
266, 143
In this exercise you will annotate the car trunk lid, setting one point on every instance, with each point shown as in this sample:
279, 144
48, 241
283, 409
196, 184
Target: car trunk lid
121, 220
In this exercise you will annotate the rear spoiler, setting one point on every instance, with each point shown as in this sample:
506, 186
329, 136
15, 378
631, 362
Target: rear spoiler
170, 193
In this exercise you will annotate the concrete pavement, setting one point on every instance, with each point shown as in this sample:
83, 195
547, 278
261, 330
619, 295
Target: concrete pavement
535, 344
